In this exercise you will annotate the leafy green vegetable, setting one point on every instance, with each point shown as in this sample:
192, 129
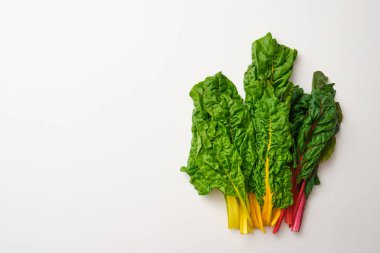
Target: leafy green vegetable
263, 153
328, 150
318, 127
315, 120
219, 132
268, 96
314, 180
273, 141
214, 162
269, 72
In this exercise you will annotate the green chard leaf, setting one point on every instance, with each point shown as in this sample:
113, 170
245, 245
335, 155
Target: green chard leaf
313, 180
299, 109
298, 113
273, 141
328, 150
268, 97
315, 139
270, 71
219, 133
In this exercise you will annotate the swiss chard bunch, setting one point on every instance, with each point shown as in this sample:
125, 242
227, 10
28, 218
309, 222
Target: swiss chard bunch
263, 153
315, 120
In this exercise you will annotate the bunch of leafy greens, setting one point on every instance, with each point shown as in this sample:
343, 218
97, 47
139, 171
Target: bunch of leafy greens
315, 120
221, 131
262, 153
268, 95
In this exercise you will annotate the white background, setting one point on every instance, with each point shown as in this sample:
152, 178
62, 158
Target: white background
95, 122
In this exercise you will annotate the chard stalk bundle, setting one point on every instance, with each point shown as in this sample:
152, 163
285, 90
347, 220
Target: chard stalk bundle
263, 152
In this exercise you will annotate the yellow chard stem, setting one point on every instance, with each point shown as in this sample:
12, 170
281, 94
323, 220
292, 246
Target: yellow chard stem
242, 201
276, 215
232, 212
267, 208
256, 212
245, 226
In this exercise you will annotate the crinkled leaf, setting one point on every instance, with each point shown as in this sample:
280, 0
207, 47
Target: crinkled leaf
268, 96
314, 180
318, 128
273, 141
319, 80
219, 123
298, 112
299, 109
270, 71
328, 150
